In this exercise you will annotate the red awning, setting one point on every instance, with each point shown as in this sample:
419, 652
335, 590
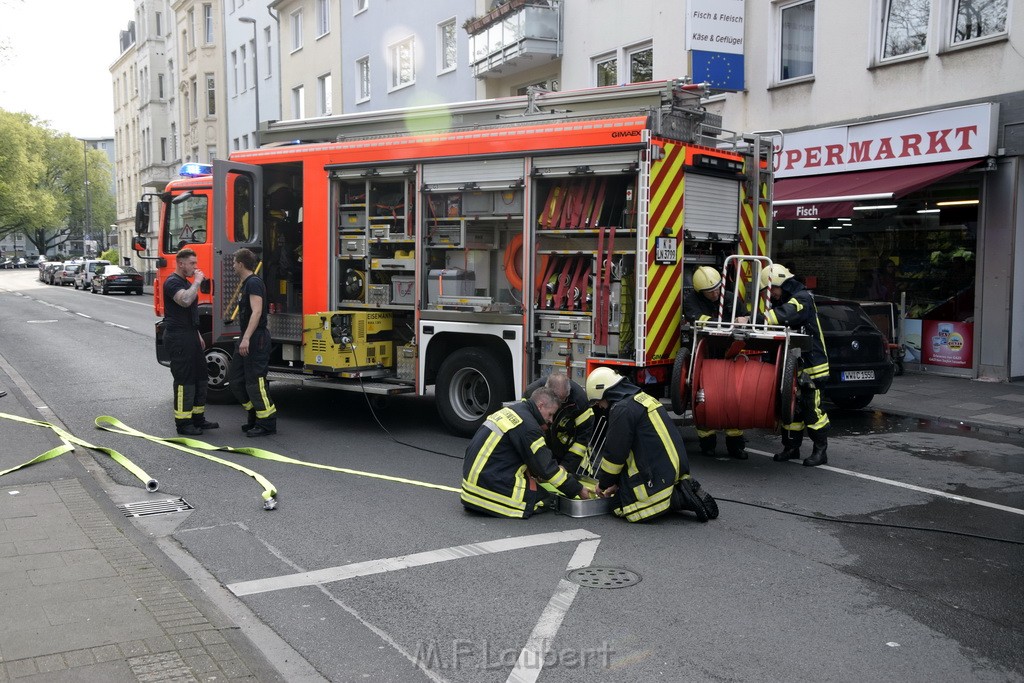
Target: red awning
833, 195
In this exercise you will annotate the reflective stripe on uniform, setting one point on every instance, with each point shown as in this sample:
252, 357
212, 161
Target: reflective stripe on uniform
822, 420
538, 444
179, 404
578, 449
261, 383
610, 467
701, 433
652, 404
584, 416
649, 507
734, 432
794, 427
483, 454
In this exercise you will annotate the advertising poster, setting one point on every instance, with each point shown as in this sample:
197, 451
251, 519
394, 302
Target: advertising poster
947, 343
911, 340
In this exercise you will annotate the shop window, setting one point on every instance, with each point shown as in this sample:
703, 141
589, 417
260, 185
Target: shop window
978, 19
796, 41
905, 27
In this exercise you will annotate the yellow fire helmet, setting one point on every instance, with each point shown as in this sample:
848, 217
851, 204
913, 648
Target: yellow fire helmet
706, 278
774, 275
599, 381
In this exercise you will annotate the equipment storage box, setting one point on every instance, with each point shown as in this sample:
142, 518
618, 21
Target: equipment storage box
336, 341
577, 372
406, 368
450, 282
403, 289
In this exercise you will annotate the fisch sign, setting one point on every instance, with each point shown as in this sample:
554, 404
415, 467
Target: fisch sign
945, 135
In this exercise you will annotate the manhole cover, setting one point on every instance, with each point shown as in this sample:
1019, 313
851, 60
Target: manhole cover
154, 507
604, 577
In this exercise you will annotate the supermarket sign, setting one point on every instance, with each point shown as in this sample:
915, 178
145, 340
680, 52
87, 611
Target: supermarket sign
945, 135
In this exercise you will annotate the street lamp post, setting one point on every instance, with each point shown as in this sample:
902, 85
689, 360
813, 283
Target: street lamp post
255, 76
88, 209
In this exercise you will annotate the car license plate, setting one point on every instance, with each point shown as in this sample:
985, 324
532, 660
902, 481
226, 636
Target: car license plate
855, 375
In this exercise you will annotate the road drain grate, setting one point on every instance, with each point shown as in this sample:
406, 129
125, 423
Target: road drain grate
604, 577
154, 507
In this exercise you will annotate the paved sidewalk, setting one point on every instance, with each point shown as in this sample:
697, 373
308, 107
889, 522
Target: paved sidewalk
81, 600
997, 406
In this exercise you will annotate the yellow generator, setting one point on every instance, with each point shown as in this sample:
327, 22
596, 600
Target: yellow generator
339, 341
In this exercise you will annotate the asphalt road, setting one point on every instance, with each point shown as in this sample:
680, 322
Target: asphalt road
779, 592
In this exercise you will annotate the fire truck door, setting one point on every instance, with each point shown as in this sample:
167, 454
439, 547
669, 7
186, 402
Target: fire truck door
238, 223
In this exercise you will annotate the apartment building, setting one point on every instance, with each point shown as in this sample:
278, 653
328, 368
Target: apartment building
252, 68
310, 56
201, 102
899, 168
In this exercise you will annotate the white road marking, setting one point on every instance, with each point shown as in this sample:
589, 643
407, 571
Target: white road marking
84, 315
911, 487
349, 571
123, 327
532, 657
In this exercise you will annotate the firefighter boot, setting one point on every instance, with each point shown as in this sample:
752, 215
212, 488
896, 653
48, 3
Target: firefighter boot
264, 427
708, 444
736, 445
683, 499
819, 455
186, 428
791, 441
705, 498
201, 422
250, 421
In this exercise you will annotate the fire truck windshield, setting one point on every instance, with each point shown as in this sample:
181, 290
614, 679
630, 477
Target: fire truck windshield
186, 223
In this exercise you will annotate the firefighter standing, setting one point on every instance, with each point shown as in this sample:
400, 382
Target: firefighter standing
643, 458
508, 457
185, 345
247, 374
793, 306
573, 425
700, 304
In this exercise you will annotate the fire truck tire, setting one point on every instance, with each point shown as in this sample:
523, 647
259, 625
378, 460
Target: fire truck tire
677, 391
218, 359
470, 386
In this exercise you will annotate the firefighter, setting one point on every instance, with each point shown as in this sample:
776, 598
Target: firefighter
643, 458
247, 374
573, 425
793, 306
507, 460
700, 304
185, 345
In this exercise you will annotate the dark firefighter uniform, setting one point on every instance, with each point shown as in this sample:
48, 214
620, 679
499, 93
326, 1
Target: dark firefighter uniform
507, 449
643, 453
697, 308
798, 312
247, 375
572, 427
185, 348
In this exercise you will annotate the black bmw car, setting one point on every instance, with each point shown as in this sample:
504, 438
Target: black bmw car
860, 364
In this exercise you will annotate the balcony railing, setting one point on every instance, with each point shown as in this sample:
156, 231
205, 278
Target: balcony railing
515, 37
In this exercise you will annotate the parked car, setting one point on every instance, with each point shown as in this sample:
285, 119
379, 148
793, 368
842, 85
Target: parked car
6, 263
859, 361
65, 274
85, 275
42, 270
21, 263
49, 271
109, 278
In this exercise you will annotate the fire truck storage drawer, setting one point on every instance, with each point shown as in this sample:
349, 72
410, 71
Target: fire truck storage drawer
353, 246
352, 219
577, 371
450, 282
562, 325
402, 289
555, 348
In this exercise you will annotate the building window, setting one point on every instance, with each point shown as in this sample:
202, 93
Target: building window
188, 109
159, 23
323, 18
195, 100
796, 40
245, 68
269, 61
160, 86
606, 71
905, 27
245, 141
363, 79
163, 149
296, 18
641, 64
361, 6
403, 66
190, 27
208, 24
448, 46
174, 141
299, 102
976, 19
211, 96
234, 72
211, 153
324, 95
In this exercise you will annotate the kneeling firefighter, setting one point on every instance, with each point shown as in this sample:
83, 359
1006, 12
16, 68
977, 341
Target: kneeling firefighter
507, 460
643, 458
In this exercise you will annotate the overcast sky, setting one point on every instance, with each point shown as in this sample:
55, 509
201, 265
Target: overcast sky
55, 58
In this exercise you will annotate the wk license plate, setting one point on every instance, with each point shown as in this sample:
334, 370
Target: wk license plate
855, 375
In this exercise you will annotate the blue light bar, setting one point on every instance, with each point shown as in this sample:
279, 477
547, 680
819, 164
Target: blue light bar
194, 169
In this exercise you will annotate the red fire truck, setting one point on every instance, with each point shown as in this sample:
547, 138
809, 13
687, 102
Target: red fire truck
472, 247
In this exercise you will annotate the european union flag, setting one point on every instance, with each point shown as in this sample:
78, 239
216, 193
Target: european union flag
723, 70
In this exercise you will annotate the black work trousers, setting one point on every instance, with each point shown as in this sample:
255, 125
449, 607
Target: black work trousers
247, 378
188, 368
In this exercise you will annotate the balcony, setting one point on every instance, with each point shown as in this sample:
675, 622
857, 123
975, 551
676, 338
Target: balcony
514, 37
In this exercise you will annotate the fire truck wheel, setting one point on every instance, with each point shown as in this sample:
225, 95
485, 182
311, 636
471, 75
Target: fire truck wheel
677, 391
217, 362
470, 386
